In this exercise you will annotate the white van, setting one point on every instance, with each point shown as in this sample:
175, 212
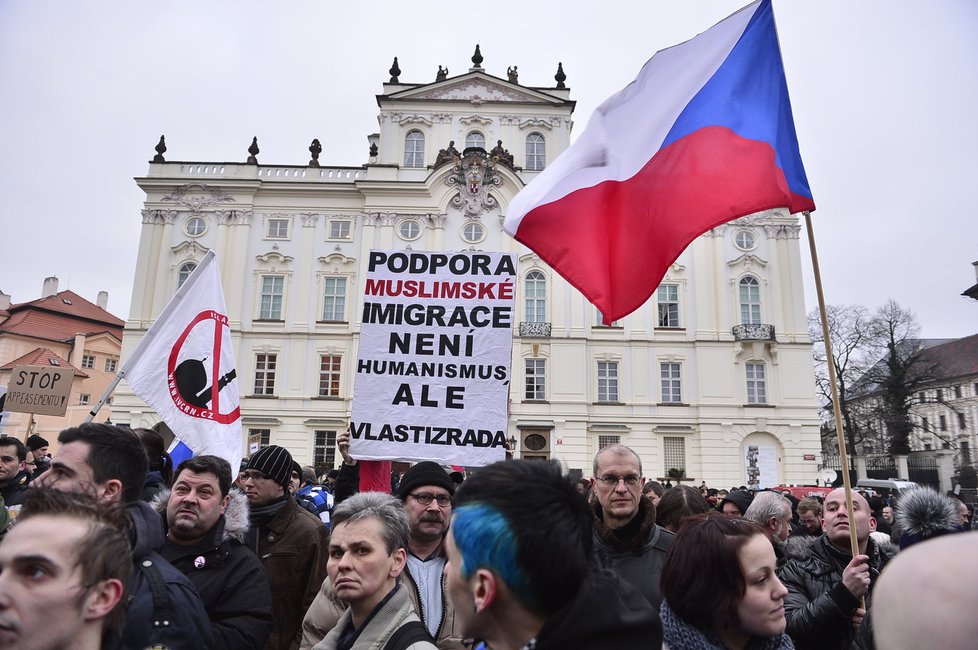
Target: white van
885, 487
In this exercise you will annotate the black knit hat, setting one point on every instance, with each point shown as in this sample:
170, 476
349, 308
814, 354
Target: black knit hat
424, 473
740, 498
36, 442
274, 462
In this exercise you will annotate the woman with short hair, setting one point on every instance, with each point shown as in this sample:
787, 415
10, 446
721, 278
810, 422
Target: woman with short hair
367, 553
720, 588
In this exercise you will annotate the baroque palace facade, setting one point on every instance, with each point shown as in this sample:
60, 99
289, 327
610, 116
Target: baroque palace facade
715, 368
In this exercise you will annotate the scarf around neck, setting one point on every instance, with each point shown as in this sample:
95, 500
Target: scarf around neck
680, 635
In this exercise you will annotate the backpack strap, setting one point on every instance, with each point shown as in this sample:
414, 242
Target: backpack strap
404, 636
162, 609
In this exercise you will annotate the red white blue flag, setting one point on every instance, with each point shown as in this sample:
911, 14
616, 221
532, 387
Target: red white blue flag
702, 136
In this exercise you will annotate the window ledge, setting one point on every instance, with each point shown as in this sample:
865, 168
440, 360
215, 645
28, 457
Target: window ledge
328, 398
608, 403
663, 328
261, 396
760, 406
333, 322
672, 403
268, 320
536, 401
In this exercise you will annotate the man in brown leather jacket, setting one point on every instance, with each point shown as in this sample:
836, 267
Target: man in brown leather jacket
291, 543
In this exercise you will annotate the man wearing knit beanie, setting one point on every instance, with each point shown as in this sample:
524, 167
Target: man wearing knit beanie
426, 490
38, 447
736, 503
291, 543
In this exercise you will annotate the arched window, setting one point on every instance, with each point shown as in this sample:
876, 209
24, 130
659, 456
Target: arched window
536, 152
750, 301
185, 270
414, 149
536, 297
475, 139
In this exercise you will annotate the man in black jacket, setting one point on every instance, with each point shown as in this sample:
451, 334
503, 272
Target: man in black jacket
825, 585
14, 472
206, 524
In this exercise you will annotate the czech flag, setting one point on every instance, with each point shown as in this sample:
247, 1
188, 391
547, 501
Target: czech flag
702, 136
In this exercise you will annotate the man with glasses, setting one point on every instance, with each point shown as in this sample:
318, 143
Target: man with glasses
626, 537
426, 490
291, 543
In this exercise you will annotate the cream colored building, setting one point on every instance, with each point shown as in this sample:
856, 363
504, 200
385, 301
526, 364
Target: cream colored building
717, 361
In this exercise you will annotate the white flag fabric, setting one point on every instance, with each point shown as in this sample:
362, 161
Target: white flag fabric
185, 368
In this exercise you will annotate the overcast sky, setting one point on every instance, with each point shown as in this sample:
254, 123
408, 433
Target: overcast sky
885, 98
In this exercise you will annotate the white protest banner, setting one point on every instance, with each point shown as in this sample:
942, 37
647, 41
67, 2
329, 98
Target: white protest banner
432, 380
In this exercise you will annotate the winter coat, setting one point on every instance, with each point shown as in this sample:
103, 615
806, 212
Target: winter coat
228, 576
606, 613
393, 614
14, 491
326, 610
293, 547
188, 628
818, 606
641, 563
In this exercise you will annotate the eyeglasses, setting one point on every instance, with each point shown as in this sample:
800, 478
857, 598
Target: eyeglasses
425, 499
612, 481
254, 476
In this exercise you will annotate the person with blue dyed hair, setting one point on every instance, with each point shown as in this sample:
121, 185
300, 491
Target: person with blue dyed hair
519, 571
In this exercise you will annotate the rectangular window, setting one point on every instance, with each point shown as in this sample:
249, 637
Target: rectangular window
672, 386
673, 454
921, 397
607, 441
278, 229
607, 381
668, 302
957, 392
272, 291
925, 424
536, 379
961, 422
265, 374
965, 453
329, 376
940, 395
756, 384
942, 422
324, 450
601, 322
258, 439
88, 361
334, 299
340, 229
84, 398
111, 363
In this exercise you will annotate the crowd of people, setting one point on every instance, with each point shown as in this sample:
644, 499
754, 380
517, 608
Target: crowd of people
132, 552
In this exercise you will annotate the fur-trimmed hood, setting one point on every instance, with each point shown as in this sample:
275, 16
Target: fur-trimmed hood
235, 519
924, 511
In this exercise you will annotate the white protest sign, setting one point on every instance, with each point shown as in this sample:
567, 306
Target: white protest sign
432, 377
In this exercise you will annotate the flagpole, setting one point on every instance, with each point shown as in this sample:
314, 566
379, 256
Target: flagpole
151, 332
836, 407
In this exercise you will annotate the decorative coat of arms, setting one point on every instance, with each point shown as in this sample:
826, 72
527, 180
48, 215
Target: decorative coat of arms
474, 174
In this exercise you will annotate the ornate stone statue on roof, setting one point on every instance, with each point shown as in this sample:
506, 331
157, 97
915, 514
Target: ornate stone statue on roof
560, 77
160, 150
502, 155
513, 74
442, 74
449, 154
253, 151
315, 149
